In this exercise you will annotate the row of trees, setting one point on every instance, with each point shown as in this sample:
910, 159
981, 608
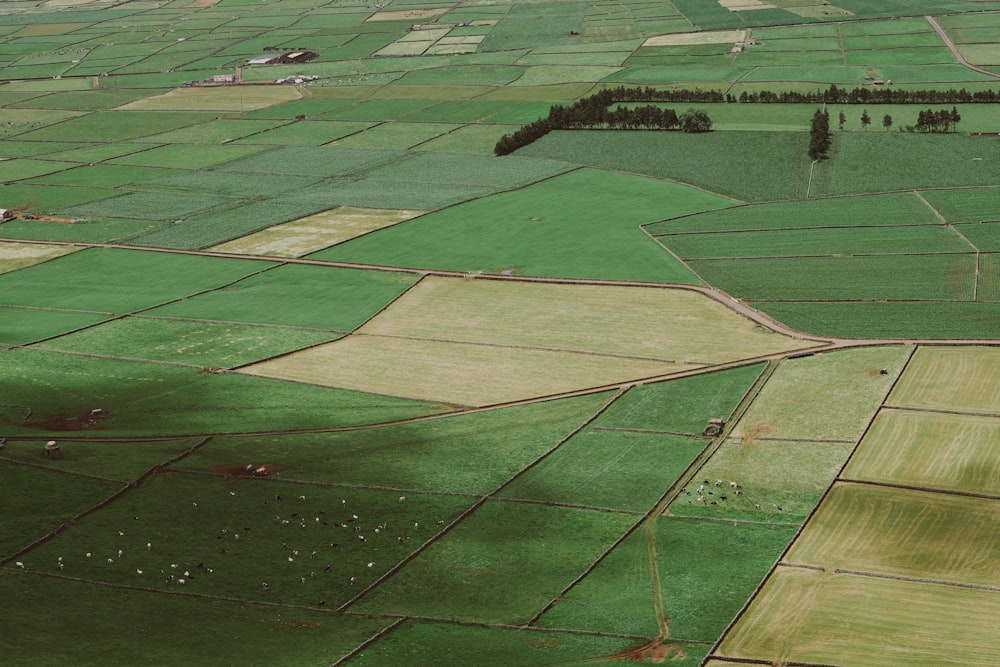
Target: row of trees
927, 121
832, 95
594, 112
819, 134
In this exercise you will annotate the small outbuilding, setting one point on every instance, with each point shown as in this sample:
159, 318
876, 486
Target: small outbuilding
6, 214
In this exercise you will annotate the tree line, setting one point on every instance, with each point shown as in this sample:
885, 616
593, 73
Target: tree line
832, 95
594, 112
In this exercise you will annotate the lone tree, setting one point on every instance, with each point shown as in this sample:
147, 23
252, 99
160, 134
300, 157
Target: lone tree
887, 122
842, 119
695, 120
866, 120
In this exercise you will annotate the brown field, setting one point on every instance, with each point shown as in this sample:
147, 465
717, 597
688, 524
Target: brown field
829, 396
853, 621
455, 373
902, 532
315, 232
407, 14
937, 450
965, 379
18, 255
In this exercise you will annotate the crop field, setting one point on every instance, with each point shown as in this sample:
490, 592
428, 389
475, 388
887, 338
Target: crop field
929, 449
315, 232
817, 617
951, 378
902, 532
334, 384
538, 230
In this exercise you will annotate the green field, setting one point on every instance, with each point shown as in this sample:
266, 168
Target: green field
479, 386
538, 231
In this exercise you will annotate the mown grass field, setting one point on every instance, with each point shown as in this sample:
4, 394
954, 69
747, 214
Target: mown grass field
174, 246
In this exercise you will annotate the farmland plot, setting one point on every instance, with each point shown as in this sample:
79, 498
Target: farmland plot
951, 378
19, 326
819, 617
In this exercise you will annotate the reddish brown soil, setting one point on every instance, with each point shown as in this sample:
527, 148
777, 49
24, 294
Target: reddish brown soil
85, 421
237, 470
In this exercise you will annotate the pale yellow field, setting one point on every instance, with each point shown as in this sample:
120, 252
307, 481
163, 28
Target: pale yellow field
829, 396
408, 48
691, 38
895, 531
407, 15
745, 5
931, 449
966, 379
315, 232
18, 255
853, 621
649, 323
479, 342
216, 98
455, 373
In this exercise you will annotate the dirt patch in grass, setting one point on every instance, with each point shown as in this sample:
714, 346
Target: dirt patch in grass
235, 471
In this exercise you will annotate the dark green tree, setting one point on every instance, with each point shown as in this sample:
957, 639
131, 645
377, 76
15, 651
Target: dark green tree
887, 122
842, 119
866, 120
695, 120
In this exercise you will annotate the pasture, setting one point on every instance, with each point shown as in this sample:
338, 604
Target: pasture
477, 385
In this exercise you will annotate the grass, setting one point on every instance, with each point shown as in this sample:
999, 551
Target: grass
890, 277
928, 449
245, 533
162, 206
397, 134
444, 170
893, 209
785, 479
154, 399
233, 98
816, 617
115, 126
900, 166
327, 298
121, 461
609, 469
462, 454
950, 378
902, 532
851, 241
829, 396
779, 168
310, 638
707, 570
15, 256
207, 344
25, 325
888, 319
582, 224
85, 280
476, 573
965, 205
681, 406
424, 643
31, 515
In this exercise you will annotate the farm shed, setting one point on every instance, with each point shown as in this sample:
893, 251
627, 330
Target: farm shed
6, 214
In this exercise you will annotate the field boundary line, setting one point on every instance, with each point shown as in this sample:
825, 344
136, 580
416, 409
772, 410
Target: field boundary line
809, 184
805, 522
475, 506
510, 626
722, 519
75, 473
554, 503
266, 325
919, 580
802, 566
105, 502
943, 411
954, 49
770, 663
647, 431
37, 346
368, 642
748, 230
923, 489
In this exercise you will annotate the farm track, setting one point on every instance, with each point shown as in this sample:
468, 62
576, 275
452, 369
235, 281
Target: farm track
954, 49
